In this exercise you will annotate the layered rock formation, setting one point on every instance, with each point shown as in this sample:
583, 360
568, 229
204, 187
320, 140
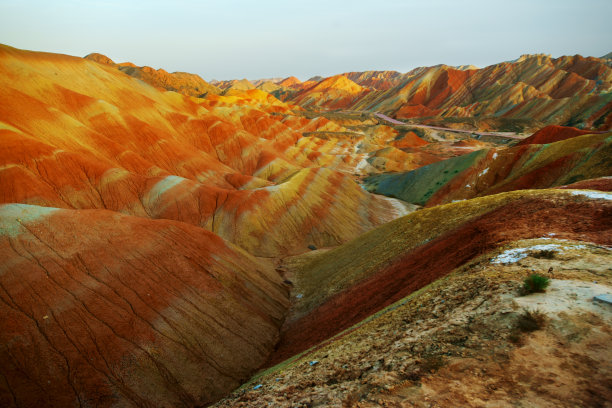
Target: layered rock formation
132, 218
117, 199
104, 309
83, 135
492, 171
401, 257
570, 90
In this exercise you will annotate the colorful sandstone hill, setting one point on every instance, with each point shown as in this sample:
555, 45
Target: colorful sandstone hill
118, 203
569, 91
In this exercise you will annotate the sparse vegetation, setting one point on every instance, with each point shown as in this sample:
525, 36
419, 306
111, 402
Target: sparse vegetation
544, 254
535, 283
531, 320
527, 322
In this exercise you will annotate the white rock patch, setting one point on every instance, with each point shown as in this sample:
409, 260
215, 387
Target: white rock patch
516, 254
594, 195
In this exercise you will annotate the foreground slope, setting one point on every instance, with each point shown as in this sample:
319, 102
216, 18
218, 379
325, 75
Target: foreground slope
467, 340
103, 309
347, 284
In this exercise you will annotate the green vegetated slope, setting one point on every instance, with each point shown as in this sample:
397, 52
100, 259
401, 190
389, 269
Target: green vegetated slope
419, 185
493, 171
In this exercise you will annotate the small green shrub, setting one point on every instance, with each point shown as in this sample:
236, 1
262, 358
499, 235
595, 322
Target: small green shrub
535, 283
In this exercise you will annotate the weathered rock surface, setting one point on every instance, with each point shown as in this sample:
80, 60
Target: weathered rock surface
103, 309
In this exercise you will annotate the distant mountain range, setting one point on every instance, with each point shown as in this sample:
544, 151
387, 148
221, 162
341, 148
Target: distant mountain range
533, 90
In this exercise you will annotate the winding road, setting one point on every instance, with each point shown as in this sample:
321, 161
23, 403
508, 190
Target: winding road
472, 132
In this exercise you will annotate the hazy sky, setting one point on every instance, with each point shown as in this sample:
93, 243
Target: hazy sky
259, 39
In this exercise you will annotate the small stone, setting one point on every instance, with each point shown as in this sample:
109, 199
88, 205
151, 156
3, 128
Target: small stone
604, 298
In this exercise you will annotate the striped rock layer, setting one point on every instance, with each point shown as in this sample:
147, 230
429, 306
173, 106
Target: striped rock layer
569, 90
78, 134
129, 217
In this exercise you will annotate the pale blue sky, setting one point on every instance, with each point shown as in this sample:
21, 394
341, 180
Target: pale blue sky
258, 39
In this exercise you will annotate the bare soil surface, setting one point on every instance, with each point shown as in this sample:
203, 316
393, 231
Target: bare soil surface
462, 342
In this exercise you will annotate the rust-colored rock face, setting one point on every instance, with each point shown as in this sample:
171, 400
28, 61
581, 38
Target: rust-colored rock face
129, 218
103, 309
79, 134
147, 218
117, 201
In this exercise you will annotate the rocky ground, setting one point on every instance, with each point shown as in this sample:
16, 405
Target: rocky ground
470, 340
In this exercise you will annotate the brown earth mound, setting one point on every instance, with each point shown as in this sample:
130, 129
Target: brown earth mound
601, 184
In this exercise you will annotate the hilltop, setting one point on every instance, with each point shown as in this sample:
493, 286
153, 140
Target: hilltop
467, 340
183, 82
